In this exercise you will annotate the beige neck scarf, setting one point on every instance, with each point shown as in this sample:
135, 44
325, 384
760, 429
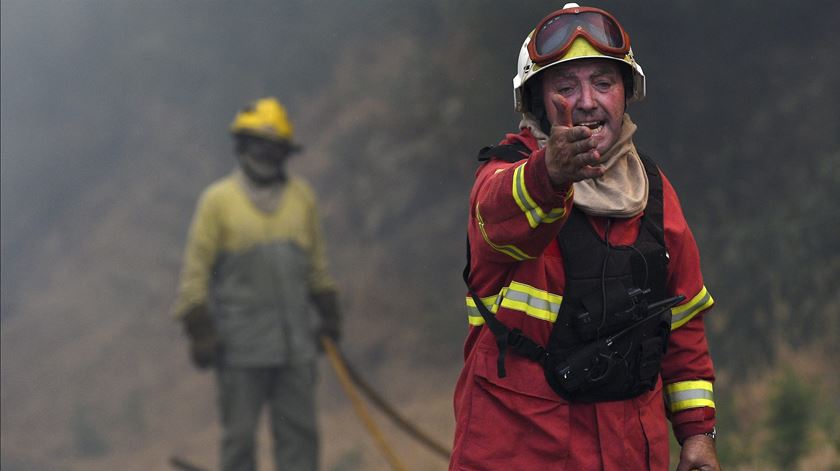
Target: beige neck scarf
622, 191
265, 198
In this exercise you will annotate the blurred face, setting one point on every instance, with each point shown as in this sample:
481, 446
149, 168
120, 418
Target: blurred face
263, 160
594, 90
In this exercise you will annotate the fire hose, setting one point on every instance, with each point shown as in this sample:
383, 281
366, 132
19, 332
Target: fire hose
350, 380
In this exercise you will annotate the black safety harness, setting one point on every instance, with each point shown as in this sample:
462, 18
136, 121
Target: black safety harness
608, 339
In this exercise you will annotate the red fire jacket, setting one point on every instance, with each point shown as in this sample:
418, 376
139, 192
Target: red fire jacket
519, 422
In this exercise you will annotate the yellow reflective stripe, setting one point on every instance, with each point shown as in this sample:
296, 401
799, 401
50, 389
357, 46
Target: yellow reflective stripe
532, 210
474, 316
570, 193
532, 301
518, 297
684, 312
475, 320
691, 404
521, 196
680, 386
689, 394
489, 301
554, 215
510, 250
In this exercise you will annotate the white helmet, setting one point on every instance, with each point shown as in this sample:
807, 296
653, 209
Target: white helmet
577, 37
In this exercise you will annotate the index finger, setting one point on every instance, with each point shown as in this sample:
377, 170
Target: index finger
563, 116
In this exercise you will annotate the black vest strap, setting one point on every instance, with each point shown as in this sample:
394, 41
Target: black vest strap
504, 336
653, 211
522, 344
507, 152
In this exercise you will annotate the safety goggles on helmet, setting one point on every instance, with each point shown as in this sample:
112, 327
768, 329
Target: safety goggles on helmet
557, 31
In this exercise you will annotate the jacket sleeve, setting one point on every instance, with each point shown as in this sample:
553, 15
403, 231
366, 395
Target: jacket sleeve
203, 242
515, 211
687, 369
319, 277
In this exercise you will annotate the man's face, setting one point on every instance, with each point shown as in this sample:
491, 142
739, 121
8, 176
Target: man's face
263, 160
594, 90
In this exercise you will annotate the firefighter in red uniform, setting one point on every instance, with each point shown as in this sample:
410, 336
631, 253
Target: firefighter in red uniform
585, 299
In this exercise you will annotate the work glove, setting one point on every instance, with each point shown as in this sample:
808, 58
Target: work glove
205, 346
326, 303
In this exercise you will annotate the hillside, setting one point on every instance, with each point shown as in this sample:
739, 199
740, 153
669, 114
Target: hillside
114, 118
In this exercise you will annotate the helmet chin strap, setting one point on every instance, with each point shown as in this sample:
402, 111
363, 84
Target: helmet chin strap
545, 126
538, 110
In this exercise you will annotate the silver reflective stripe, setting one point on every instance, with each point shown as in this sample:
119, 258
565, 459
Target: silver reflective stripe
519, 297
689, 394
474, 316
522, 198
473, 312
532, 301
536, 303
687, 312
532, 211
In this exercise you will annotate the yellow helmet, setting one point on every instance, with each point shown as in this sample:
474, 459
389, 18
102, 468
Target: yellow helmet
264, 118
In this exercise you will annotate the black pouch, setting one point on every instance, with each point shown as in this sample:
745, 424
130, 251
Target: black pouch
597, 372
589, 323
621, 366
588, 368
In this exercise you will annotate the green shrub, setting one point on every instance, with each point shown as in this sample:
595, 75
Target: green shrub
790, 417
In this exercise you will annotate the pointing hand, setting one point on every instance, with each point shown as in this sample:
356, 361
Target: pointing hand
570, 153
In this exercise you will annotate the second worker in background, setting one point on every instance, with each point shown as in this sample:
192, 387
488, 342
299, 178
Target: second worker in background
254, 265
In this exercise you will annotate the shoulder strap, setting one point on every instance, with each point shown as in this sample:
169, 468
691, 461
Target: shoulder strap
507, 152
654, 214
505, 337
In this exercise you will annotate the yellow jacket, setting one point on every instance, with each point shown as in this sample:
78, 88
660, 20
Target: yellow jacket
256, 271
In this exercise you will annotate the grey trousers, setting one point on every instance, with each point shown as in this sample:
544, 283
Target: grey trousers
289, 393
